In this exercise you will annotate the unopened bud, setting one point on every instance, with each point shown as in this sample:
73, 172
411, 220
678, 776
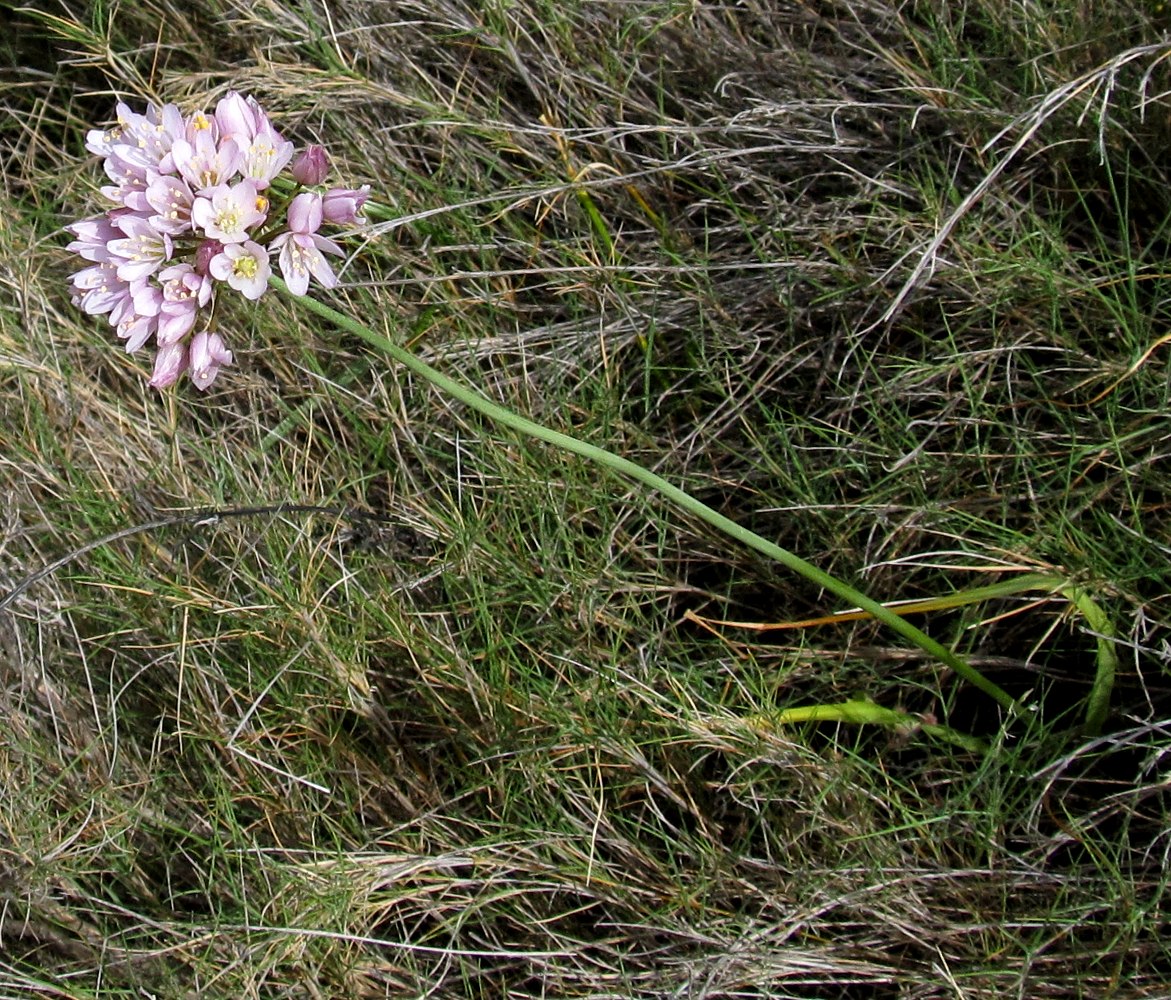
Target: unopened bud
311, 167
342, 205
205, 252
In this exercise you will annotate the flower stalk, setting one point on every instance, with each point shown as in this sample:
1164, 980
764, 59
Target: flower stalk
680, 498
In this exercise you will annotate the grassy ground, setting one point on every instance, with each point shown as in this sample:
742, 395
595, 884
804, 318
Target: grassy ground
426, 711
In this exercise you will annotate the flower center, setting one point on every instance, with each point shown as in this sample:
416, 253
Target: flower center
245, 267
228, 220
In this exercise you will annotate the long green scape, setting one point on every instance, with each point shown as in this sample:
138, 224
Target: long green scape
679, 497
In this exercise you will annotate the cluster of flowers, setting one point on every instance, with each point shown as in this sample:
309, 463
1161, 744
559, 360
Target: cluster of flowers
192, 212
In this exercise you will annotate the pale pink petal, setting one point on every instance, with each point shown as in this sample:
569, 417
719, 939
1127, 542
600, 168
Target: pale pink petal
208, 355
296, 275
305, 213
170, 363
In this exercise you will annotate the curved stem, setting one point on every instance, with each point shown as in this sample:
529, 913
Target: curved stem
683, 500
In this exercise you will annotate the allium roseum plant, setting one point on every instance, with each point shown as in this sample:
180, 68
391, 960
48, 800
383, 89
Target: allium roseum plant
194, 209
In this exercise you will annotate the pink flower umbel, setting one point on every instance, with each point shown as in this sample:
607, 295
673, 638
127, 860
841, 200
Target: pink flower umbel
192, 201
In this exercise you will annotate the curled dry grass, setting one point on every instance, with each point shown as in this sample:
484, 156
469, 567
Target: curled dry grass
461, 747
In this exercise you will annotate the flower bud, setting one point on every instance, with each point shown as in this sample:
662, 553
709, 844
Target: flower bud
204, 254
311, 166
342, 205
305, 213
237, 117
170, 362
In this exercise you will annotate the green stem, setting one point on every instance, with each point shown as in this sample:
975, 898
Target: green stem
1098, 703
673, 493
863, 713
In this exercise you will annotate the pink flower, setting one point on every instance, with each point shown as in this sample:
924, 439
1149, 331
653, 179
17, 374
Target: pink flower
184, 292
170, 363
301, 247
129, 187
146, 140
191, 198
265, 157
136, 330
147, 297
342, 205
181, 282
122, 136
311, 167
98, 290
244, 266
175, 321
93, 237
171, 199
203, 163
100, 141
239, 117
208, 355
227, 213
200, 122
301, 257
142, 251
